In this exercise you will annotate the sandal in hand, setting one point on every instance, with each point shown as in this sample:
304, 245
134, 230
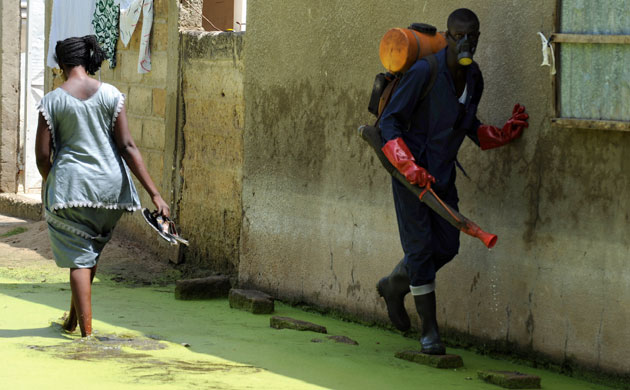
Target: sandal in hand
172, 232
160, 224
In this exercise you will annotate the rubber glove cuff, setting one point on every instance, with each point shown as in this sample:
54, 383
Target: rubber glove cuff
401, 158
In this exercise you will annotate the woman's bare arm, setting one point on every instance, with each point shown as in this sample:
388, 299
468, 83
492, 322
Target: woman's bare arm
129, 151
43, 140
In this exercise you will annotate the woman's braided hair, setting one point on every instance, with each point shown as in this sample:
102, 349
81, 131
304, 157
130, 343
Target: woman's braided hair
77, 51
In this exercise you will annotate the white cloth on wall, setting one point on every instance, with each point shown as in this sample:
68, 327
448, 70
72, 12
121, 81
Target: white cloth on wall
547, 51
129, 19
70, 18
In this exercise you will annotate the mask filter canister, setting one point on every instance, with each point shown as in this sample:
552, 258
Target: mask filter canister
465, 51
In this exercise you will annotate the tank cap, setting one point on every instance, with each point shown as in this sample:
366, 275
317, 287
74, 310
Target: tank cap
423, 28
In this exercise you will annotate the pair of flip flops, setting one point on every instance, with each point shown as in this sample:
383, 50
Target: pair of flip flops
163, 226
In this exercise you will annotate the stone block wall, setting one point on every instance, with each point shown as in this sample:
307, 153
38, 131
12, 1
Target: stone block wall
190, 15
212, 116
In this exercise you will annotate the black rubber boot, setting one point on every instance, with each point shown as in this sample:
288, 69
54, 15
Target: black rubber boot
393, 289
430, 338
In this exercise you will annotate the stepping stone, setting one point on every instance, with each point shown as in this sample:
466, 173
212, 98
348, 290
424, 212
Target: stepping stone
291, 323
437, 361
510, 379
253, 301
343, 339
203, 288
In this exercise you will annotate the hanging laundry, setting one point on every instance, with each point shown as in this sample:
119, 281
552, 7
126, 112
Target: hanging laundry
129, 15
70, 18
105, 23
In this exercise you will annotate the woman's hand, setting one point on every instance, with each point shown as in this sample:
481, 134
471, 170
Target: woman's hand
160, 204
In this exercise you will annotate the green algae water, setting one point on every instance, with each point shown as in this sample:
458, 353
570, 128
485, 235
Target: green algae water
145, 339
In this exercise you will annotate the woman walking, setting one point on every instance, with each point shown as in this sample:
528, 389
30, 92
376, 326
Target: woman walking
83, 147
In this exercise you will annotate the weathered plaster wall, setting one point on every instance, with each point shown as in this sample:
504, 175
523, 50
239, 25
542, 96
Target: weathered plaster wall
212, 116
10, 23
151, 107
319, 223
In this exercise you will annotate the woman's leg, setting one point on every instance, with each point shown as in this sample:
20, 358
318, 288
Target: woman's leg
70, 323
81, 284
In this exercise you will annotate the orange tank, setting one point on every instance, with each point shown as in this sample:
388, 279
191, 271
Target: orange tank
402, 47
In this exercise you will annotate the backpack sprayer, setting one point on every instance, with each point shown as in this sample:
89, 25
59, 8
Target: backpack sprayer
399, 49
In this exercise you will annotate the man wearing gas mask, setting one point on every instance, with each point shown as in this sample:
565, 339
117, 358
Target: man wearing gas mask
421, 139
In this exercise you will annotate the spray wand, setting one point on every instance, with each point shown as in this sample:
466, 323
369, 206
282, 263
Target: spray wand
372, 135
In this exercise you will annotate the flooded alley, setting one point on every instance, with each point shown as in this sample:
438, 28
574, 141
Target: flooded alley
145, 339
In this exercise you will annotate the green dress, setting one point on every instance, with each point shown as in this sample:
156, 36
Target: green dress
89, 185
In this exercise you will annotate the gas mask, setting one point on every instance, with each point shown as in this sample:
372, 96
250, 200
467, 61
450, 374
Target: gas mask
465, 49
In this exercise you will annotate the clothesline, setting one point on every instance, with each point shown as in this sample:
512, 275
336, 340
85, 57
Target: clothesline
77, 18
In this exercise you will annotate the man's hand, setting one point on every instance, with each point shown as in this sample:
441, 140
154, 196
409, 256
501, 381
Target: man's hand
399, 155
492, 137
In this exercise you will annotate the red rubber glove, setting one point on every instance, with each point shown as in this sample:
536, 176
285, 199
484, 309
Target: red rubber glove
492, 137
399, 155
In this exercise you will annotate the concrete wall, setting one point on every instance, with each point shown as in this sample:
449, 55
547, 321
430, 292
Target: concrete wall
212, 116
319, 223
10, 26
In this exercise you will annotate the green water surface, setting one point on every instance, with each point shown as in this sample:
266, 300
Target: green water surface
145, 339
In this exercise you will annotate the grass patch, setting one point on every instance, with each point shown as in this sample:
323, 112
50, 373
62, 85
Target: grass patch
13, 232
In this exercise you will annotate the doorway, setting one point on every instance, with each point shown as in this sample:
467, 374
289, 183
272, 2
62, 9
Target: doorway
31, 91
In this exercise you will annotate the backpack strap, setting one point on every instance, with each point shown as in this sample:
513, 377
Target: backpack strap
391, 87
433, 65
385, 97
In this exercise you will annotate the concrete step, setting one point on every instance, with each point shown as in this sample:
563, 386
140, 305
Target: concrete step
253, 301
26, 206
291, 323
437, 361
510, 379
203, 288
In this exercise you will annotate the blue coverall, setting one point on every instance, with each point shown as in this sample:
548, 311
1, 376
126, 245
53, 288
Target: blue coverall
434, 130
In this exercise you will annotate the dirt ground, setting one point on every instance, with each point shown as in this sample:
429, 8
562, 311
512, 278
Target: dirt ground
122, 259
